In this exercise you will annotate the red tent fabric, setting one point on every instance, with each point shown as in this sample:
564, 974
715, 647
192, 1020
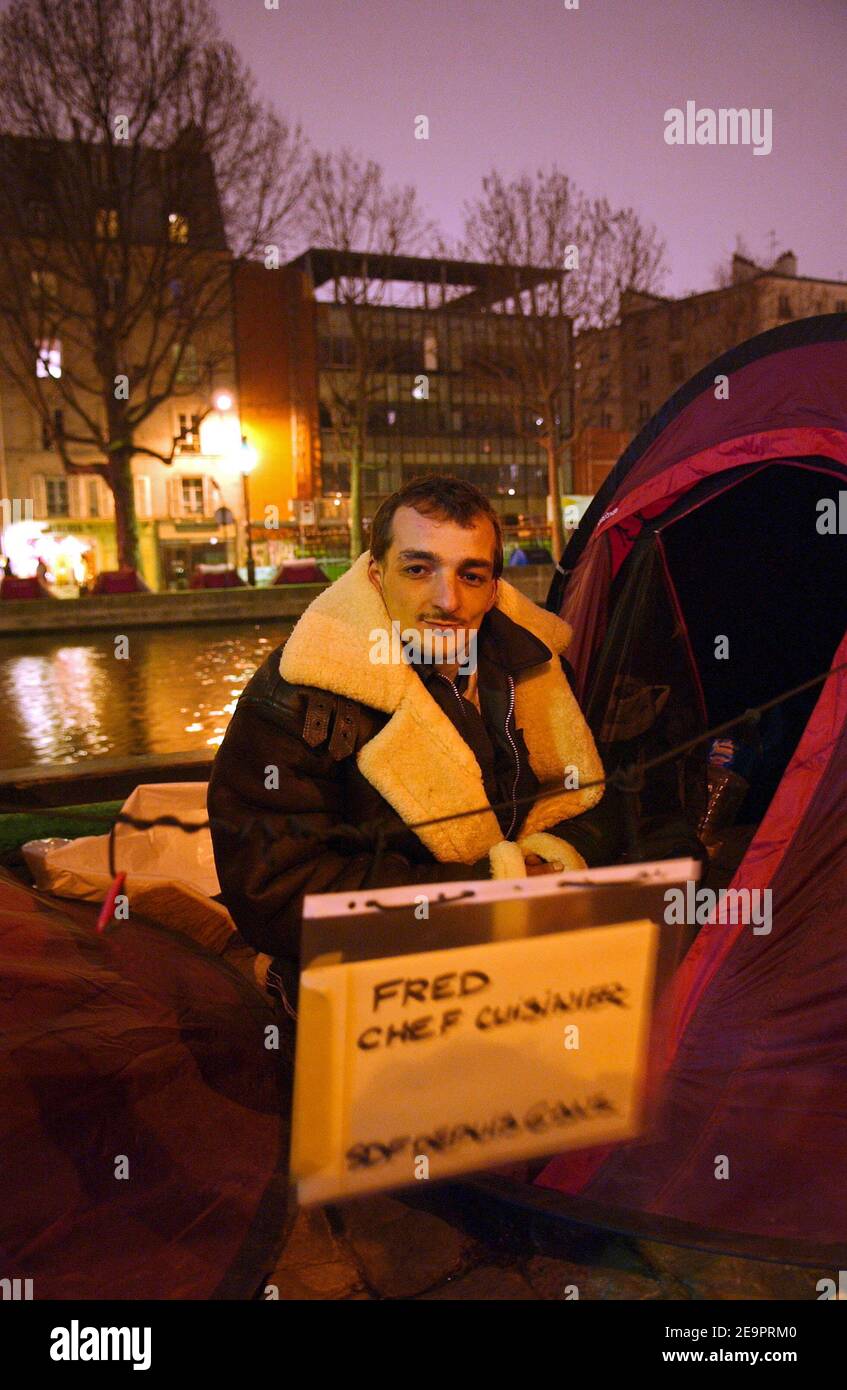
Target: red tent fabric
143, 1138
755, 1066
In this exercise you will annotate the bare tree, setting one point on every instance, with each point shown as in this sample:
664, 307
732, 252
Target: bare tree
136, 167
589, 254
350, 209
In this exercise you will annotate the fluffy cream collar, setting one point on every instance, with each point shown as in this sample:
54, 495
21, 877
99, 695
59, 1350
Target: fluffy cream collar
419, 762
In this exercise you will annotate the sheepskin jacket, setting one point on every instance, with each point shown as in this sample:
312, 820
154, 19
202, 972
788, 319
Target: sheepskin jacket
330, 757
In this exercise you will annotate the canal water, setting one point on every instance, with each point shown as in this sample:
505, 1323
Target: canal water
65, 698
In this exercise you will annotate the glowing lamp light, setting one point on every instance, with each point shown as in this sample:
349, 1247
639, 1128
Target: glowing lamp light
220, 434
248, 456
223, 401
511, 492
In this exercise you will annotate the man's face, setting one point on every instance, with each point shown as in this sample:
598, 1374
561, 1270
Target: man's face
437, 575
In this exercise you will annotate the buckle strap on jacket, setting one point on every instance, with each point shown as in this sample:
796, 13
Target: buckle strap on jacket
343, 740
320, 708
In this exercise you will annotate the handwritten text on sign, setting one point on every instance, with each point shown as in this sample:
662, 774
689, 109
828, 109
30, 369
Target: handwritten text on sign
471, 1057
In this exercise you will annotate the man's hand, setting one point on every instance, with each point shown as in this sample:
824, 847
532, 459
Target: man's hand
536, 865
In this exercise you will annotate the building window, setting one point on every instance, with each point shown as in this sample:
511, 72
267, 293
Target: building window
603, 354
93, 490
106, 224
187, 372
189, 434
642, 342
677, 367
430, 350
51, 431
784, 307
49, 359
841, 306
192, 496
605, 420
179, 298
58, 501
177, 228
44, 285
644, 374
643, 412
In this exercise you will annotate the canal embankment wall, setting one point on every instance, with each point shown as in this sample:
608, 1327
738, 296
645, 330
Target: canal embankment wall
120, 612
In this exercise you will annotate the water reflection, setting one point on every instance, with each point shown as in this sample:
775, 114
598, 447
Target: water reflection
62, 703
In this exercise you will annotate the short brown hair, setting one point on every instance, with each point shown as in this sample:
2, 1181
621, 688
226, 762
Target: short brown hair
440, 495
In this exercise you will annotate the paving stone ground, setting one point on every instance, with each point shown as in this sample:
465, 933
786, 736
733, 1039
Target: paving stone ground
385, 1248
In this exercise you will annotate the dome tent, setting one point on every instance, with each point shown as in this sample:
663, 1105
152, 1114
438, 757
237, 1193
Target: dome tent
706, 578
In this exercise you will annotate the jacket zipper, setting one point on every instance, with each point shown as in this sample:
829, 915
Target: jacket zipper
508, 834
455, 692
511, 741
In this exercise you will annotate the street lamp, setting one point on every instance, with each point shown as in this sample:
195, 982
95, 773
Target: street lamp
247, 459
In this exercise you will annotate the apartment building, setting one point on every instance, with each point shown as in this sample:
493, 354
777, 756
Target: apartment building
72, 262
624, 373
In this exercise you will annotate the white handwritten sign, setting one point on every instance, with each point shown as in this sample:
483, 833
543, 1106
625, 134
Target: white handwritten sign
470, 1057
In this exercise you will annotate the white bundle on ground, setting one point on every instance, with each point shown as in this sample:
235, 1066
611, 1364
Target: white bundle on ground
170, 874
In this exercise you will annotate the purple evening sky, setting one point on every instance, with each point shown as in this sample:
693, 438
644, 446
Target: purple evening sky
519, 84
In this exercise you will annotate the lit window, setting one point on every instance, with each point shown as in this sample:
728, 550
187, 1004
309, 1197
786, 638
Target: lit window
93, 497
784, 309
44, 284
106, 224
49, 359
189, 434
177, 228
192, 496
430, 350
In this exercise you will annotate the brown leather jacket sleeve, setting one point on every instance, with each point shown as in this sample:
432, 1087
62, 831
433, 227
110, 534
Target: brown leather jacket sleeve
265, 863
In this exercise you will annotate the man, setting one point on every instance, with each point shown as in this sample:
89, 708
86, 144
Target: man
403, 731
